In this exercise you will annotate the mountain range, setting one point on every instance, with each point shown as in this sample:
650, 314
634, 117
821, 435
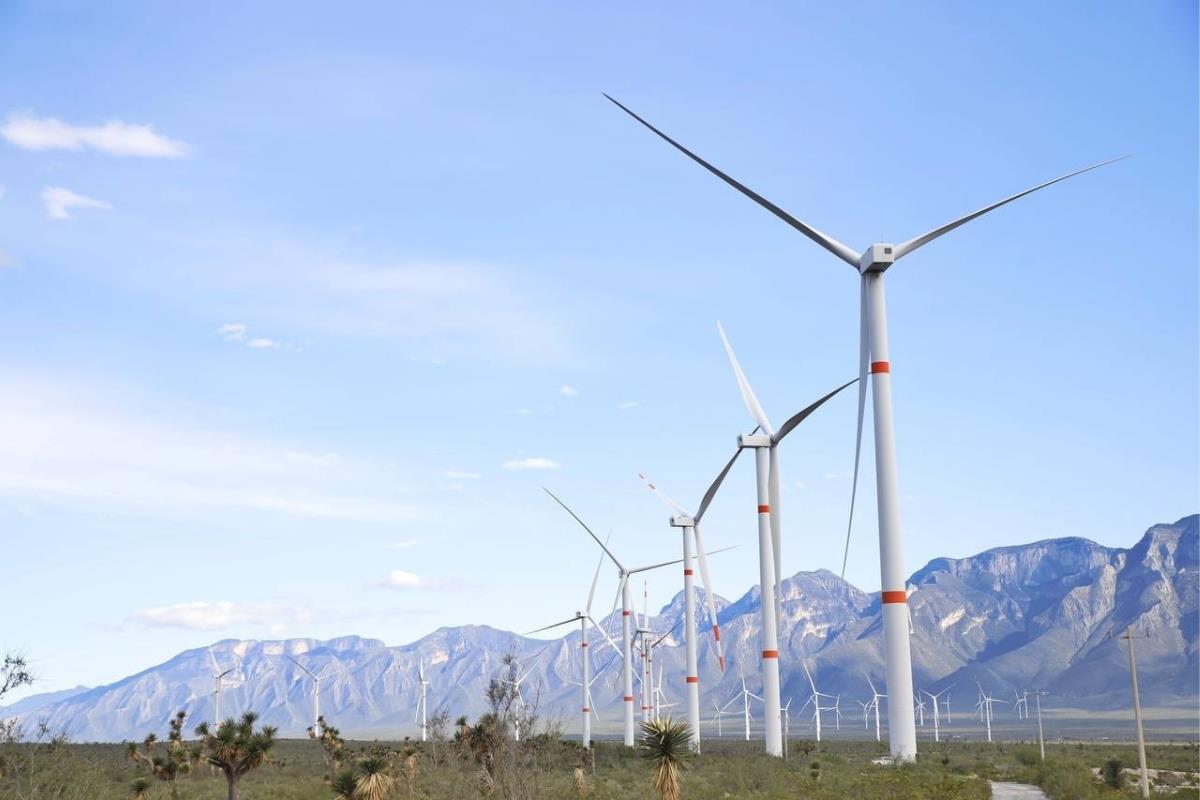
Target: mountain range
1033, 615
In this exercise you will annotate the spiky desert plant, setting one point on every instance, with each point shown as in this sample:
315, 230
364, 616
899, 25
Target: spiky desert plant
411, 766
332, 744
485, 782
583, 787
177, 761
139, 788
374, 782
236, 748
344, 785
667, 745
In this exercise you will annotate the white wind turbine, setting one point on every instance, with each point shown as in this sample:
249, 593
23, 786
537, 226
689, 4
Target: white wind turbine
875, 695
919, 709
422, 702
719, 712
316, 726
933, 698
623, 596
520, 698
746, 695
770, 536
815, 700
1021, 704
873, 352
218, 676
787, 725
690, 525
984, 707
866, 709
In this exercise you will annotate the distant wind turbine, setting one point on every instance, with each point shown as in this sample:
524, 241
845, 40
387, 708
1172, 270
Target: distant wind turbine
218, 676
422, 702
316, 691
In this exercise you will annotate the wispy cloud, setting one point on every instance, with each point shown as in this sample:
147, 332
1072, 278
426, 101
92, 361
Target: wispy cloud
232, 331
459, 475
402, 579
200, 615
568, 391
404, 544
30, 132
240, 332
628, 405
531, 463
67, 443
261, 343
60, 202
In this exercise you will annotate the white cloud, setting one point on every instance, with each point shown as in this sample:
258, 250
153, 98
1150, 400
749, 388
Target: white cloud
568, 391
262, 343
839, 476
232, 331
105, 449
401, 579
404, 544
59, 202
115, 138
200, 615
627, 405
459, 475
531, 463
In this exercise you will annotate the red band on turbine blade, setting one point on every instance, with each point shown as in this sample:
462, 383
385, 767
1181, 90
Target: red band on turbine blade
881, 366
687, 572
716, 633
721, 659
894, 597
583, 645
586, 710
628, 698
692, 679
764, 509
770, 654
625, 613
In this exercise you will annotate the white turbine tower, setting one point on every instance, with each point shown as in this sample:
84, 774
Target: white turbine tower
919, 709
770, 535
984, 707
690, 525
520, 698
873, 353
623, 596
583, 618
422, 702
787, 725
218, 676
719, 712
1021, 704
815, 700
875, 695
746, 695
316, 726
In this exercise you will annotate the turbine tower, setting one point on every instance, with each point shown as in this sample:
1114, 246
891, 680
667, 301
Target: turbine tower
984, 707
422, 702
875, 695
623, 596
766, 463
746, 695
690, 525
316, 726
218, 676
936, 712
874, 359
815, 700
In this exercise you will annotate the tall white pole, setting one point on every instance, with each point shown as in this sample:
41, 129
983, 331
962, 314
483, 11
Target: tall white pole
217, 701
587, 681
1137, 716
936, 731
424, 703
689, 633
317, 707
902, 729
746, 711
627, 666
766, 579
1041, 737
878, 737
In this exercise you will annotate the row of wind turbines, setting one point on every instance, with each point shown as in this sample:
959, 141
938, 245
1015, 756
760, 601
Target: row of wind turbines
874, 366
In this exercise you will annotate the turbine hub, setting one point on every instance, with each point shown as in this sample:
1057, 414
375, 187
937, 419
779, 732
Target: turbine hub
682, 521
876, 258
754, 440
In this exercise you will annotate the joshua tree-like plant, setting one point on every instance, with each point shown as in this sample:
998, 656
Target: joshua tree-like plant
139, 788
373, 781
236, 748
177, 760
332, 743
666, 744
344, 784
14, 673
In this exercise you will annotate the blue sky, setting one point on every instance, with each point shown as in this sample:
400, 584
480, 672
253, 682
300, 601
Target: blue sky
299, 308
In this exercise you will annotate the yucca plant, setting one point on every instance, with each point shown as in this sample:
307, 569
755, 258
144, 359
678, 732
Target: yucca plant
140, 787
374, 782
667, 745
236, 748
411, 766
344, 785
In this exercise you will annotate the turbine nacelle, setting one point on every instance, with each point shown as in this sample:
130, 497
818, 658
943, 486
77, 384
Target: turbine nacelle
877, 258
683, 521
754, 440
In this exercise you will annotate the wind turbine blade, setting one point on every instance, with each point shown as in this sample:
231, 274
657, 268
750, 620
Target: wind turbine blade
585, 527
301, 666
548, 627
665, 635
213, 659
702, 558
607, 638
912, 244
807, 411
810, 677
752, 404
595, 578
828, 242
776, 531
661, 495
864, 355
712, 490
616, 601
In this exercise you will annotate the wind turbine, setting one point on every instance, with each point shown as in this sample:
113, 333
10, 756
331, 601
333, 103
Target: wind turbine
422, 702
316, 691
584, 618
516, 684
746, 695
1021, 704
875, 695
919, 709
984, 706
721, 712
936, 713
623, 597
690, 524
766, 464
866, 709
218, 675
873, 351
787, 725
815, 700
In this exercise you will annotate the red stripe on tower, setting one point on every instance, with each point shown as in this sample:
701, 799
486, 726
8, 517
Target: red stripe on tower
881, 366
628, 698
692, 679
770, 654
687, 572
764, 509
894, 597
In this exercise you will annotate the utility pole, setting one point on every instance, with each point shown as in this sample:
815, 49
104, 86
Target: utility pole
1137, 713
1037, 695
